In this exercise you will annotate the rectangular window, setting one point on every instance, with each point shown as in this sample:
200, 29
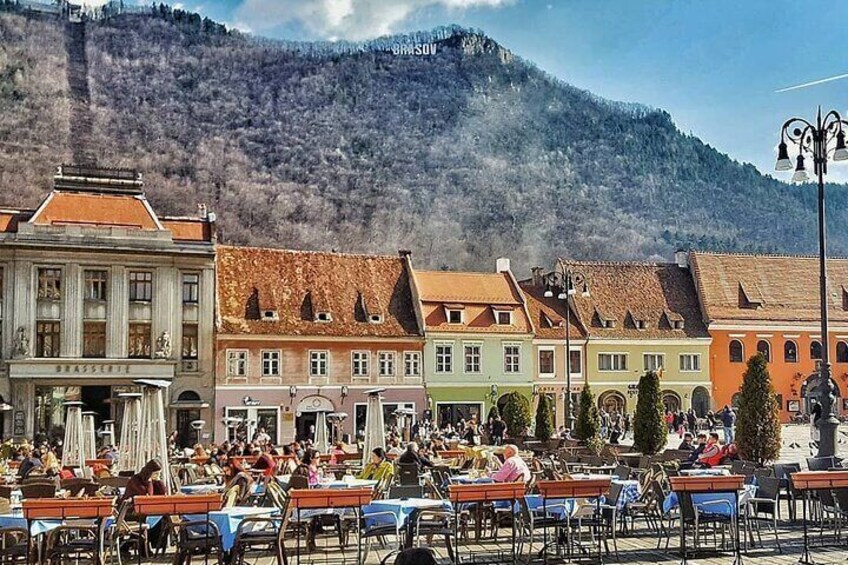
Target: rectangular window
575, 360
454, 316
359, 364
472, 357
504, 318
95, 285
546, 362
94, 339
612, 362
270, 363
387, 363
189, 349
49, 283
512, 358
47, 336
444, 358
411, 364
236, 363
139, 344
653, 361
690, 362
141, 286
318, 363
191, 288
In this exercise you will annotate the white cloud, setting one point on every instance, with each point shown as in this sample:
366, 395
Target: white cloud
349, 19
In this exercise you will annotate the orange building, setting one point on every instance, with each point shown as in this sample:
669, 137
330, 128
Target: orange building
770, 304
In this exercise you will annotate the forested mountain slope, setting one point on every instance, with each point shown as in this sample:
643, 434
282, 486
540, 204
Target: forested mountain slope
461, 156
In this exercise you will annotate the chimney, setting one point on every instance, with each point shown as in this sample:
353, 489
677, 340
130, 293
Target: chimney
202, 211
404, 253
538, 276
502, 265
681, 257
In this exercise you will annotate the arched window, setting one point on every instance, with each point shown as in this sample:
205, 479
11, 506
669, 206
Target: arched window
815, 350
790, 351
737, 352
841, 352
188, 396
765, 348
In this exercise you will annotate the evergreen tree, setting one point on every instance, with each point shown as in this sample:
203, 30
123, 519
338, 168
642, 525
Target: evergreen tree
758, 420
588, 425
650, 432
516, 414
544, 418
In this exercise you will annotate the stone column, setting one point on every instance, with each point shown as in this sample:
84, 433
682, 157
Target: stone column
117, 313
71, 342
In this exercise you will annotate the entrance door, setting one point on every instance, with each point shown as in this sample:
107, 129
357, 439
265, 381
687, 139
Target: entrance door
303, 424
186, 435
98, 399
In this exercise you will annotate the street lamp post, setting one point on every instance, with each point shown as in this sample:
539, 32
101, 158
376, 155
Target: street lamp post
822, 141
566, 280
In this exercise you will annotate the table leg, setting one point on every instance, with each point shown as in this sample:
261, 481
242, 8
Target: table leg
737, 548
683, 560
806, 557
512, 507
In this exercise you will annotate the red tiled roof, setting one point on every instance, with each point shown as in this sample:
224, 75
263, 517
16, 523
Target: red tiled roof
478, 294
548, 314
646, 291
104, 210
299, 284
466, 288
9, 221
779, 288
188, 229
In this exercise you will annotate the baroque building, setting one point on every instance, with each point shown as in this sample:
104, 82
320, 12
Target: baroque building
97, 291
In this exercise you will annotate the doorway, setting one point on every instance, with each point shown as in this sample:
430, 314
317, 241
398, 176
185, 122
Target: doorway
97, 399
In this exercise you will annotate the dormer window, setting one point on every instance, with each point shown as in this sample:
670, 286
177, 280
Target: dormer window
677, 324
269, 316
750, 297
640, 324
454, 313
504, 318
324, 317
608, 323
375, 319
675, 320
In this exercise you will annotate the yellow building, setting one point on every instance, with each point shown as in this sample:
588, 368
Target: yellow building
640, 317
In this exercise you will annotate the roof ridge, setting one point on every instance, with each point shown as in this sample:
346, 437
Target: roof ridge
311, 252
633, 263
477, 273
764, 255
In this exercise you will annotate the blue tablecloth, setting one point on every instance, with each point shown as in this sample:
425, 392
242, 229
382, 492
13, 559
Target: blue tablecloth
228, 520
700, 501
201, 489
402, 508
559, 508
17, 520
466, 480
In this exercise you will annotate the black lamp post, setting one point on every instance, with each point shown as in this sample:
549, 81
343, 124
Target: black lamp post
821, 141
565, 281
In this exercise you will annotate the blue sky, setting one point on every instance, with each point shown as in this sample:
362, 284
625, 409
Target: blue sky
714, 65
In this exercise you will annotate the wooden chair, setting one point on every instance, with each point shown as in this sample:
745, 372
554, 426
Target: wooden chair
198, 538
124, 529
13, 545
258, 536
38, 490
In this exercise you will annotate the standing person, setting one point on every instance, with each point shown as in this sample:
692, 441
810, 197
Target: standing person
669, 420
692, 421
498, 430
604, 424
711, 423
815, 416
728, 419
627, 424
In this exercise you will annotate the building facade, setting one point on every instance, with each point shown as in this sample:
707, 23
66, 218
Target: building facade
640, 317
769, 304
548, 316
479, 341
96, 291
306, 332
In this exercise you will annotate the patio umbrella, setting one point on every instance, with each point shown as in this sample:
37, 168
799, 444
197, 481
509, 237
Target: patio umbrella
321, 443
375, 431
72, 446
130, 425
336, 419
152, 436
89, 449
404, 419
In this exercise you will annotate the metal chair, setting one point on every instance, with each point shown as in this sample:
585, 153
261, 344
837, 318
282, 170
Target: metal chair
406, 491
763, 507
820, 463
259, 535
38, 490
198, 538
408, 473
73, 542
622, 472
788, 492
122, 529
13, 545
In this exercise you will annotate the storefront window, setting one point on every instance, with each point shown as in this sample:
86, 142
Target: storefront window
389, 418
50, 410
251, 420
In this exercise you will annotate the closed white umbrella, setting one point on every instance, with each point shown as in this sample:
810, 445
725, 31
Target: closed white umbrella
153, 438
321, 442
130, 426
375, 431
72, 455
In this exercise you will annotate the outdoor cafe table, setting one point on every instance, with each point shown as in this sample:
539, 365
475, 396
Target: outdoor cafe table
406, 510
201, 489
808, 481
320, 499
480, 494
563, 493
175, 505
712, 471
228, 520
283, 480
60, 509
700, 485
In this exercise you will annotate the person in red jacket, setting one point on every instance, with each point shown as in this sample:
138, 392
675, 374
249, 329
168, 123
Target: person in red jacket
713, 453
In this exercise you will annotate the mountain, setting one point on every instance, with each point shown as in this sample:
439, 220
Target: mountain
461, 156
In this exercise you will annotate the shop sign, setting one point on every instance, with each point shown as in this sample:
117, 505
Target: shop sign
92, 369
19, 423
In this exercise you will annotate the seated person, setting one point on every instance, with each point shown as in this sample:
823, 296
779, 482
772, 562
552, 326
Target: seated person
144, 482
31, 462
686, 444
412, 455
712, 454
513, 469
378, 467
308, 467
698, 448
266, 464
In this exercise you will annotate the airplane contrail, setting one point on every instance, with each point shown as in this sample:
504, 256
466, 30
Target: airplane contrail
813, 83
